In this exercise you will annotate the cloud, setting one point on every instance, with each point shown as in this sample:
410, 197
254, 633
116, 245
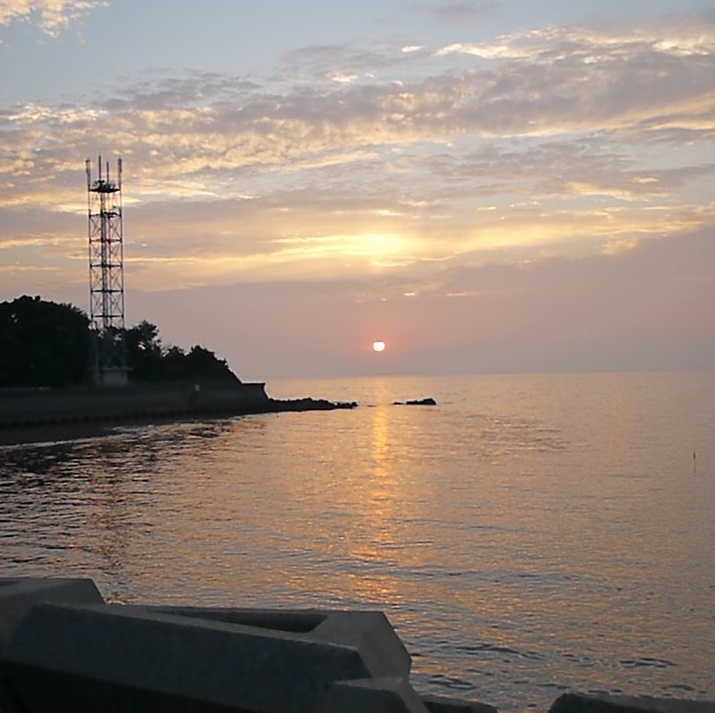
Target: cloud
539, 83
50, 15
570, 78
545, 143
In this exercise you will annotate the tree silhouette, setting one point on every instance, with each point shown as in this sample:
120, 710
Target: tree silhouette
42, 343
45, 344
144, 353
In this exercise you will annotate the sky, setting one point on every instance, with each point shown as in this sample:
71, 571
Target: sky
484, 185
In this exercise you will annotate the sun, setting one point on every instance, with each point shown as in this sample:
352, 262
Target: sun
378, 347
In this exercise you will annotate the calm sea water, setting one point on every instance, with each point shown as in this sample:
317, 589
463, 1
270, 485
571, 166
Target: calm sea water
528, 535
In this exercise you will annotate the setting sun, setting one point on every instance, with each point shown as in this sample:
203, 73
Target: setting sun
378, 346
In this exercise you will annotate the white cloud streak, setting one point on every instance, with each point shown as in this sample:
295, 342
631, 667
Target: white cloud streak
51, 16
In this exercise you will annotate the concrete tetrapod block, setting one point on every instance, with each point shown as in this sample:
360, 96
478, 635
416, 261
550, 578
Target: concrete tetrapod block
441, 704
369, 632
606, 703
374, 695
18, 595
120, 659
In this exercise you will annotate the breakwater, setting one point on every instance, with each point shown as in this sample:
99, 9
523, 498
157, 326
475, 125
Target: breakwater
43, 407
64, 648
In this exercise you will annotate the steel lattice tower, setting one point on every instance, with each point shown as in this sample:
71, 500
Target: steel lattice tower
106, 275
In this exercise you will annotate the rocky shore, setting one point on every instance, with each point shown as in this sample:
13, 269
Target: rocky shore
63, 648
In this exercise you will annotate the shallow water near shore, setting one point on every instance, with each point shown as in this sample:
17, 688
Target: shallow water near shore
528, 535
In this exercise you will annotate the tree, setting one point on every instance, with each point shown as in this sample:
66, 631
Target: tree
203, 365
199, 365
144, 352
42, 343
48, 344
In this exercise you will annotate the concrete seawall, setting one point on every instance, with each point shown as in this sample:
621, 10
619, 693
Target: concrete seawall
39, 407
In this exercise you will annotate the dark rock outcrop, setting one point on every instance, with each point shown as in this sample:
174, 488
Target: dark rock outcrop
307, 404
428, 401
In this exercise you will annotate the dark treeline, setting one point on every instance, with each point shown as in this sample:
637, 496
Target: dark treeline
45, 344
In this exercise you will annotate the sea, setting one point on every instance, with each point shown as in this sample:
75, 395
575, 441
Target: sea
529, 534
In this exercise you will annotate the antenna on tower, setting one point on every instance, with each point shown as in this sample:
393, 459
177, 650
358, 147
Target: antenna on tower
106, 275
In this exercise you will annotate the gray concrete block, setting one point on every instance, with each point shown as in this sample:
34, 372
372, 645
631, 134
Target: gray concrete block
372, 635
442, 704
119, 659
376, 695
606, 703
369, 632
18, 595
